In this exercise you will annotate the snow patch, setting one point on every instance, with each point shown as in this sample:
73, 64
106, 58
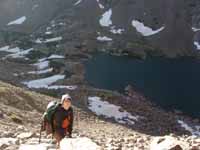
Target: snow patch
195, 131
42, 59
12, 50
108, 110
195, 29
103, 39
42, 64
105, 20
5, 48
41, 71
54, 56
53, 39
18, 21
16, 74
100, 5
78, 2
56, 87
48, 32
44, 82
144, 30
39, 40
116, 31
197, 45
62, 24
20, 54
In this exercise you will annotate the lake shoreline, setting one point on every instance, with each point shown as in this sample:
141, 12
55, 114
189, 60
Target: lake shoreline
170, 83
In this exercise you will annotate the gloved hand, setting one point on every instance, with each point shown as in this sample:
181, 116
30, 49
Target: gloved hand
70, 136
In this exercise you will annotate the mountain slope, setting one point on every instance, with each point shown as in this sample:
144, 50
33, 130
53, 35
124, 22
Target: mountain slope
21, 111
88, 20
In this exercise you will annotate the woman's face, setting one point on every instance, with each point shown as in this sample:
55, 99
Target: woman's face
66, 104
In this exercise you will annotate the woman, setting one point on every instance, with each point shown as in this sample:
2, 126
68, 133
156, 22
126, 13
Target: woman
63, 119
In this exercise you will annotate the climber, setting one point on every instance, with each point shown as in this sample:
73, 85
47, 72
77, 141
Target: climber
63, 119
58, 119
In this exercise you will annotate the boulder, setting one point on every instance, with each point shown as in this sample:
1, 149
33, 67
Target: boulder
25, 135
5, 142
82, 143
168, 143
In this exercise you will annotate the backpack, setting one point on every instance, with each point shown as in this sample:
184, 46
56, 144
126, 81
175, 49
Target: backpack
51, 109
47, 119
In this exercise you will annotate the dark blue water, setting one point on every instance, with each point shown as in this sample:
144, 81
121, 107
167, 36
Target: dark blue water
170, 83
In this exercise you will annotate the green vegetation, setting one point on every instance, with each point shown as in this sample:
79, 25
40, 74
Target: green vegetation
16, 118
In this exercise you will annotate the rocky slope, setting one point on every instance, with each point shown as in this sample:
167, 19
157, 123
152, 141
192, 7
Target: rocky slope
21, 113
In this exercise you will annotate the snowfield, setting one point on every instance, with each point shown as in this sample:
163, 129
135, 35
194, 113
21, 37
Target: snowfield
144, 30
20, 54
105, 20
12, 50
46, 83
18, 21
108, 110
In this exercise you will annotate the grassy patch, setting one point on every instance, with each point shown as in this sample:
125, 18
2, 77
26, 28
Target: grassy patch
16, 118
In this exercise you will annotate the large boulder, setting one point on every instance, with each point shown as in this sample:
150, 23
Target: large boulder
78, 143
66, 144
168, 143
6, 142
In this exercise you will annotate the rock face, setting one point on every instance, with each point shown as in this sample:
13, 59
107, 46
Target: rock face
177, 37
158, 27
